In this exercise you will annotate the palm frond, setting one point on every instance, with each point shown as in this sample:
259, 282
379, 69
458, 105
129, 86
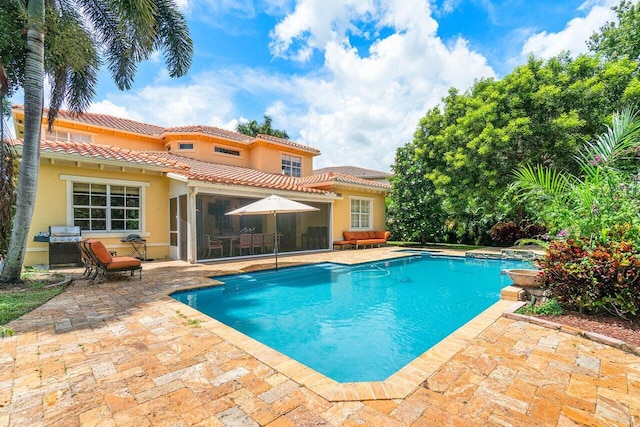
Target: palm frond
173, 38
613, 145
71, 61
541, 183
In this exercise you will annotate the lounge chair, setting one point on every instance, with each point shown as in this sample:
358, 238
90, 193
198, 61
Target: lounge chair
105, 263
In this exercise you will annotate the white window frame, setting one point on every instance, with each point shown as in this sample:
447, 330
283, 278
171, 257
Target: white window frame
360, 226
71, 179
289, 170
66, 136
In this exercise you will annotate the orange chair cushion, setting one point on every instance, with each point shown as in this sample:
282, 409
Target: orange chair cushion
100, 251
123, 263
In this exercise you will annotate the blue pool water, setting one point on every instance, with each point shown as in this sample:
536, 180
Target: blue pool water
355, 323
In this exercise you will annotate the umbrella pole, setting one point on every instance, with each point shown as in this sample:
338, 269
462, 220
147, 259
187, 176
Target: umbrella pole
275, 217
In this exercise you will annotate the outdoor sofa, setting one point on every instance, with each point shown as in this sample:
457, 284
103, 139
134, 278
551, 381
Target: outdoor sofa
362, 238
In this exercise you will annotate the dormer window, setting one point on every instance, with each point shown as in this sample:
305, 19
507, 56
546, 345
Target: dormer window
291, 165
226, 151
63, 136
185, 146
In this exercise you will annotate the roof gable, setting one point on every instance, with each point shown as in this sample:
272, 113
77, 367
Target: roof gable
354, 171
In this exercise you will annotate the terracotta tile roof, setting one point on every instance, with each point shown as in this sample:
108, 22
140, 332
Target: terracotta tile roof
104, 120
333, 178
236, 175
210, 130
104, 152
287, 142
132, 126
353, 171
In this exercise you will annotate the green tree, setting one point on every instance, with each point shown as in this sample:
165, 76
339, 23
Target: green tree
621, 39
415, 210
541, 112
62, 41
253, 128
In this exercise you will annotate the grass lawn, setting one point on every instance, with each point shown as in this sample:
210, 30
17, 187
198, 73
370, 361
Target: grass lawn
38, 288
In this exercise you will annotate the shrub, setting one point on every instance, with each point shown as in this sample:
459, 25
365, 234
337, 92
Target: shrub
507, 233
550, 307
594, 278
504, 233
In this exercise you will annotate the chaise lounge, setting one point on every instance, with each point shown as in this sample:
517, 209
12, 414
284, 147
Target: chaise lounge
98, 261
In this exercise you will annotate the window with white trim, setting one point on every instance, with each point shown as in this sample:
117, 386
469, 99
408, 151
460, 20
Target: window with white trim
106, 207
360, 213
63, 136
291, 165
185, 146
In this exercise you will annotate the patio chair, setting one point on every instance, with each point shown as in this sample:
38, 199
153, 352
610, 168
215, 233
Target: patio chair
243, 243
257, 242
209, 245
106, 263
268, 242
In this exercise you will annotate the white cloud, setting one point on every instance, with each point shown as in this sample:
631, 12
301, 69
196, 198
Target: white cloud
364, 107
109, 108
575, 35
206, 101
357, 108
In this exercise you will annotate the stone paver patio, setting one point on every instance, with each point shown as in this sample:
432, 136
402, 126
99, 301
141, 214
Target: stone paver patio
124, 353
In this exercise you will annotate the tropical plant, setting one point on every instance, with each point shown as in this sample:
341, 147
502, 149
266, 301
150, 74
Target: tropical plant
253, 128
601, 203
594, 278
62, 41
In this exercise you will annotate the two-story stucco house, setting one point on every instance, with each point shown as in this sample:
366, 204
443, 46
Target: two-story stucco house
115, 177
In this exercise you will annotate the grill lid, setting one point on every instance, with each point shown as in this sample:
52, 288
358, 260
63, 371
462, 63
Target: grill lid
61, 234
64, 230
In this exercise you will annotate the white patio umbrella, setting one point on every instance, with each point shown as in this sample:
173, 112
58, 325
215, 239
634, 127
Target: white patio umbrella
273, 205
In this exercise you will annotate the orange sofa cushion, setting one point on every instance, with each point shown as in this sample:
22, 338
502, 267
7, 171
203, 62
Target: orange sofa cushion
350, 235
367, 237
383, 235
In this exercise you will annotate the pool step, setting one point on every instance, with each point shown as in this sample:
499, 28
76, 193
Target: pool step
506, 253
513, 293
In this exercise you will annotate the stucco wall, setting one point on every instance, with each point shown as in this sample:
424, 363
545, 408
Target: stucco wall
51, 209
342, 211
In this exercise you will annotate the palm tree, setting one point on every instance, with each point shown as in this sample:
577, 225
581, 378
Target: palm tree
253, 128
59, 44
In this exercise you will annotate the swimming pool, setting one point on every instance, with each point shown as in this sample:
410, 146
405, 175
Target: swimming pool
360, 322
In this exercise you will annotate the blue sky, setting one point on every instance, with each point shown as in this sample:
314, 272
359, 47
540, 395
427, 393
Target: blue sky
349, 77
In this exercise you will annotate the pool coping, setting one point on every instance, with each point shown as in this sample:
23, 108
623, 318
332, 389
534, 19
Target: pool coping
397, 386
